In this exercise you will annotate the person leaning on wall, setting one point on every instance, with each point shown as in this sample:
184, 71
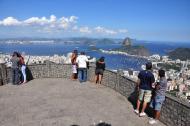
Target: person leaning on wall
15, 68
100, 67
23, 67
159, 97
74, 64
82, 63
144, 86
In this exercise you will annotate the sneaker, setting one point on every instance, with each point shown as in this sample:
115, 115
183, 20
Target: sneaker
152, 121
24, 82
136, 111
142, 114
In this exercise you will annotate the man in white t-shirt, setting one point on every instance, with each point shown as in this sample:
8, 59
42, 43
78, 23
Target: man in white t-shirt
82, 62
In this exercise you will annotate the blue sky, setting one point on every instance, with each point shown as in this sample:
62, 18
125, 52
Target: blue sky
158, 20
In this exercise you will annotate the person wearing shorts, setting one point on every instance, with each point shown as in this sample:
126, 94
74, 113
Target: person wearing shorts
158, 99
144, 86
100, 67
145, 95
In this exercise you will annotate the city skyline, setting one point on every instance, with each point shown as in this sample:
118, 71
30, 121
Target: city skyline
145, 20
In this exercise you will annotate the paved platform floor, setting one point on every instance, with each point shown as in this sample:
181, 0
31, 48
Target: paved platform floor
61, 102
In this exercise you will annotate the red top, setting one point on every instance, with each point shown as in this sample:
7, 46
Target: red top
22, 61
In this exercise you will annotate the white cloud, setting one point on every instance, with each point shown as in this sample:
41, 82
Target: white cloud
53, 18
123, 31
111, 32
36, 21
99, 29
55, 25
66, 22
63, 22
73, 19
85, 30
10, 21
52, 22
105, 31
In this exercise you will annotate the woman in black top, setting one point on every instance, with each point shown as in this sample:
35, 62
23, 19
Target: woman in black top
100, 67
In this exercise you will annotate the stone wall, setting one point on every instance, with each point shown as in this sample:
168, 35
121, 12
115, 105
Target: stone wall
48, 70
3, 74
174, 111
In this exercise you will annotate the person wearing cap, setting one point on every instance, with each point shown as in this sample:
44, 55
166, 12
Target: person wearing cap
82, 62
144, 86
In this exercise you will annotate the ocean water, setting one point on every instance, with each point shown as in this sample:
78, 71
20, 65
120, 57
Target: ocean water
113, 61
162, 48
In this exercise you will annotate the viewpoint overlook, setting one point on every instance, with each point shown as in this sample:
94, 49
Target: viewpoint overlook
52, 98
45, 43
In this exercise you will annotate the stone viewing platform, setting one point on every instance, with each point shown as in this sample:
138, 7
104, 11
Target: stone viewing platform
61, 102
51, 98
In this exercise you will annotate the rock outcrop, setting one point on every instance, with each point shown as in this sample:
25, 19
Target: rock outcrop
127, 42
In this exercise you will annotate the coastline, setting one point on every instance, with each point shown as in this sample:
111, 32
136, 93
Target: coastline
31, 59
123, 53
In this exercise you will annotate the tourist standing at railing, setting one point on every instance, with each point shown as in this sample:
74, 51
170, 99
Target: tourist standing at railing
74, 64
144, 85
23, 67
159, 97
82, 63
15, 68
100, 67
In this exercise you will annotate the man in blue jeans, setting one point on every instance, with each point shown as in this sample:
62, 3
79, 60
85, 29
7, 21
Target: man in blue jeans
15, 68
82, 62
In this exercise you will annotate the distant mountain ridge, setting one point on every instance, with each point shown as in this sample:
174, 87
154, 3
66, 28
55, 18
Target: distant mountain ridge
180, 53
74, 40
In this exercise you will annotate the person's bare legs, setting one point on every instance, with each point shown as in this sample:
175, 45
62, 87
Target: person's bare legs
97, 79
73, 76
138, 107
100, 78
156, 117
138, 104
157, 114
144, 106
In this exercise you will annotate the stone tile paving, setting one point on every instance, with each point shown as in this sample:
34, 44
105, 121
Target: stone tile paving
61, 102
